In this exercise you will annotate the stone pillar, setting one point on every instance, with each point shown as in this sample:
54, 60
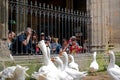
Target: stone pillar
100, 16
105, 23
3, 18
114, 7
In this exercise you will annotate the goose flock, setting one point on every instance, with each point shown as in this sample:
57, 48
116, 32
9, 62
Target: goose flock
52, 72
64, 70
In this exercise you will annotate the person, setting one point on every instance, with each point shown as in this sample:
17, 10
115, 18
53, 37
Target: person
35, 48
13, 35
65, 45
23, 42
74, 47
9, 40
56, 47
85, 46
42, 36
48, 42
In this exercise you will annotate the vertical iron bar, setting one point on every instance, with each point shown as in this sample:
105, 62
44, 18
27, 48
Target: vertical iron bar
44, 13
26, 13
11, 16
62, 24
48, 14
31, 15
39, 20
52, 20
78, 27
17, 21
69, 26
80, 23
36, 17
72, 29
21, 17
74, 18
65, 31
83, 26
55, 19
59, 23
31, 12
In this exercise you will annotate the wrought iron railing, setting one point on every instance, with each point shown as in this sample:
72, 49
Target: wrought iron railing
52, 20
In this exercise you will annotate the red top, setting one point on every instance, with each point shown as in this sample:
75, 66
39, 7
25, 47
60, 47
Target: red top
75, 48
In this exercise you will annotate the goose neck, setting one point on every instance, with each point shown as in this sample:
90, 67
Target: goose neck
112, 60
60, 65
66, 59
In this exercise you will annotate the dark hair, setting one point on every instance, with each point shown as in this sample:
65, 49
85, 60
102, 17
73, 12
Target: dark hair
34, 32
73, 39
47, 38
9, 32
64, 40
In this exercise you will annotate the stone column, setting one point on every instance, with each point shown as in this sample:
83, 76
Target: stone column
114, 7
100, 22
4, 18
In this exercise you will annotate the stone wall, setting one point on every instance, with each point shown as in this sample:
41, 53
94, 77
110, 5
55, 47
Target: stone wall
105, 23
3, 18
4, 51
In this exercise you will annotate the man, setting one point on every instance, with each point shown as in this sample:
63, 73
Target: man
24, 42
42, 36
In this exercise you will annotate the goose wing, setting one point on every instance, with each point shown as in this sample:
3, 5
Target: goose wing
94, 65
74, 66
8, 72
114, 73
75, 74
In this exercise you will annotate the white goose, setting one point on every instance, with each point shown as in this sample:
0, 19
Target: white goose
77, 75
62, 74
94, 65
8, 72
49, 70
72, 64
20, 73
113, 69
14, 73
48, 52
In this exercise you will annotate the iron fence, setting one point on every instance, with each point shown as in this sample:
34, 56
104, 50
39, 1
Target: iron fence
52, 20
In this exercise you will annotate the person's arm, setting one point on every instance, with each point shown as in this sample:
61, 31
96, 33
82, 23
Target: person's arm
29, 33
66, 47
25, 42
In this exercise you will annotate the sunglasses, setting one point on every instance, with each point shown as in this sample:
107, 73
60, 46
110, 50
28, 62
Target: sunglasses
73, 40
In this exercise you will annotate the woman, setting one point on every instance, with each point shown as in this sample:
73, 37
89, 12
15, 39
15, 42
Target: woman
74, 47
65, 45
